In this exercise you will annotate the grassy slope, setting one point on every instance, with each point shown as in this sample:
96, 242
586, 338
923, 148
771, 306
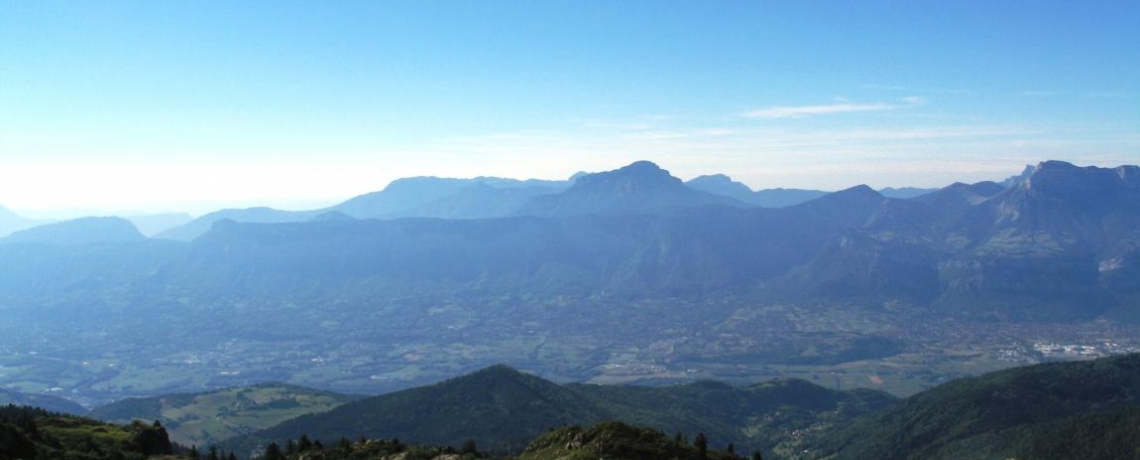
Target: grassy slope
206, 418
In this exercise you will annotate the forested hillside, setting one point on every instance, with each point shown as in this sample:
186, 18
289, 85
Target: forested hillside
1083, 410
503, 409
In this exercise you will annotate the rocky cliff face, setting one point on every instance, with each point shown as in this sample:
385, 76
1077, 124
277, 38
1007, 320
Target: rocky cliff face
1062, 243
1056, 237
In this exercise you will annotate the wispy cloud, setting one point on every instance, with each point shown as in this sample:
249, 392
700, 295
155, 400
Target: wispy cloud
809, 110
801, 111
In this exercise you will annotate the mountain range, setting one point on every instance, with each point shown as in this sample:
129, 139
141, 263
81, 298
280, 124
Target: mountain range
626, 274
450, 198
1061, 244
647, 189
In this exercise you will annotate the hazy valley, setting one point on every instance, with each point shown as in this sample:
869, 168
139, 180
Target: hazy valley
519, 230
626, 276
790, 331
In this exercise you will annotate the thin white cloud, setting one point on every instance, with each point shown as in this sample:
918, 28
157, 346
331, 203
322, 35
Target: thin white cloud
801, 111
809, 110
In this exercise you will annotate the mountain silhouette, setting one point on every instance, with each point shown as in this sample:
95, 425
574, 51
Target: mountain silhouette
12, 222
82, 231
639, 188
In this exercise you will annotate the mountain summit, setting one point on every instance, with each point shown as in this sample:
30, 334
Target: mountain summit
720, 184
637, 177
1071, 203
641, 187
496, 403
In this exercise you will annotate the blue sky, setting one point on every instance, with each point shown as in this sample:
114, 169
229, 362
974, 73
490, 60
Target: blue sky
191, 105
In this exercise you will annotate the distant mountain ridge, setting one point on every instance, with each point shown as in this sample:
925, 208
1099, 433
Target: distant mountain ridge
11, 222
639, 188
260, 215
153, 224
78, 232
720, 184
47, 402
448, 198
684, 252
493, 197
1065, 236
423, 197
147, 224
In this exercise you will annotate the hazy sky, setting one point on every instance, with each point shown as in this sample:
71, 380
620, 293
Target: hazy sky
157, 105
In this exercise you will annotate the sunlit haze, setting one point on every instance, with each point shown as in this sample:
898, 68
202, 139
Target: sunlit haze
193, 106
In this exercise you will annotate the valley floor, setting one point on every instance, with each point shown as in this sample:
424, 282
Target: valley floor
893, 349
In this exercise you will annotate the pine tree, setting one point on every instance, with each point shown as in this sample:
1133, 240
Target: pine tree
273, 452
702, 444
